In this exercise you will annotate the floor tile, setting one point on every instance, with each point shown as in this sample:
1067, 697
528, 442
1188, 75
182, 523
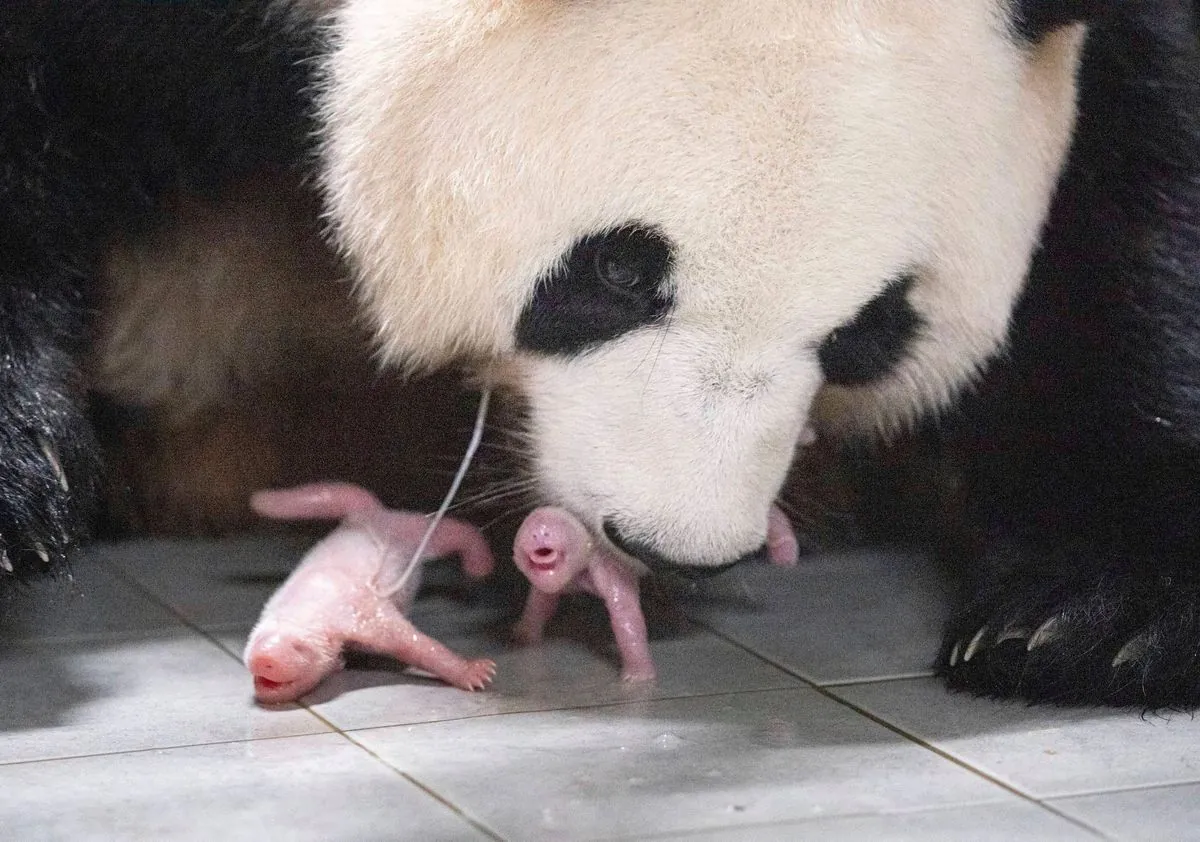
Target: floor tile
576, 665
1046, 752
212, 583
319, 788
1011, 820
674, 766
1153, 815
834, 618
72, 699
220, 585
94, 602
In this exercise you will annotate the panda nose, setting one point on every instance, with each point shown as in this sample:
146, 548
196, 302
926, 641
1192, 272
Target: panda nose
660, 563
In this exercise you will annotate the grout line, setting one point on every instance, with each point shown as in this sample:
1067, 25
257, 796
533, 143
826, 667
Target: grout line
825, 690
1094, 793
800, 824
427, 789
179, 747
578, 707
136, 584
962, 763
913, 738
334, 729
879, 679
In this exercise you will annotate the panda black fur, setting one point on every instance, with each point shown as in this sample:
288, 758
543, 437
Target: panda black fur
1082, 448
106, 110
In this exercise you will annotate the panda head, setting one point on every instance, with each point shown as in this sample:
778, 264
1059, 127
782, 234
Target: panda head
692, 228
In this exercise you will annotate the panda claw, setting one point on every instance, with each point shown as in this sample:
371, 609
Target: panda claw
954, 653
974, 645
55, 463
5, 562
1131, 651
1012, 633
42, 552
1045, 633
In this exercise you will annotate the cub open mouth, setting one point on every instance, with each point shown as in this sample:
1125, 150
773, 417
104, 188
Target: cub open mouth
544, 559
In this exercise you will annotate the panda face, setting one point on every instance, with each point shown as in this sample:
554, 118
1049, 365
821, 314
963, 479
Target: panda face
694, 227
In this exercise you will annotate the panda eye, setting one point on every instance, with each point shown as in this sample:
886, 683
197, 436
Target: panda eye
620, 265
608, 284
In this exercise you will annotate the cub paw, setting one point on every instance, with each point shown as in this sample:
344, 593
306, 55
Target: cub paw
639, 674
477, 675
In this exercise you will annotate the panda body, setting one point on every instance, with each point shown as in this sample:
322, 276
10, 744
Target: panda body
687, 232
1080, 449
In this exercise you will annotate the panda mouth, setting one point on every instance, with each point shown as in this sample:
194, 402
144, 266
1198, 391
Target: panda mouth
543, 560
660, 564
267, 686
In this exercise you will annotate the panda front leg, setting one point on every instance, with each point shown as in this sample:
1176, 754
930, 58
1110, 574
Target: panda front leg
49, 459
1087, 597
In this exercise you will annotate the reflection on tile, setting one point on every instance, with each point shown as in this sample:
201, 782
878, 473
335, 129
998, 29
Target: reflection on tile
320, 788
674, 766
212, 583
1011, 820
1043, 751
84, 698
220, 585
724, 746
835, 618
94, 602
1152, 815
576, 665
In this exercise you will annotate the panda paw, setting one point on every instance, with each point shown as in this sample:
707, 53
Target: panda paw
1116, 639
48, 484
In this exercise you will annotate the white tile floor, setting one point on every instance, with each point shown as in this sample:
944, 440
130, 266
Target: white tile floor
791, 705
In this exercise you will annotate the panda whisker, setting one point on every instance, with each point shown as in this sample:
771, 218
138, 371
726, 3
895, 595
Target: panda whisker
522, 450
495, 494
507, 513
656, 349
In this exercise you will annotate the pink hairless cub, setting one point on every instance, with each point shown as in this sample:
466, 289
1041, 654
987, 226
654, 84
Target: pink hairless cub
558, 555
341, 594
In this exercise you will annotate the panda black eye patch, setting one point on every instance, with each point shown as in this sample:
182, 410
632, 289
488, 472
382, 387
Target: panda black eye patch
869, 346
607, 285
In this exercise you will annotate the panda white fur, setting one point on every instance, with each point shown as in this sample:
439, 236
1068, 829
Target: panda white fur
687, 231
760, 174
692, 228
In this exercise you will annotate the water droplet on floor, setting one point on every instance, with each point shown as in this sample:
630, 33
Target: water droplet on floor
667, 741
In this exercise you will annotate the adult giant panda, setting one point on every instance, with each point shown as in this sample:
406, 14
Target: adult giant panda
689, 230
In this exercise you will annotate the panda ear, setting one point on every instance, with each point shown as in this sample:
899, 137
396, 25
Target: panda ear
1034, 18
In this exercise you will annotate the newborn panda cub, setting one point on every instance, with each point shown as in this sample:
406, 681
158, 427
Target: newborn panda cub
558, 555
353, 590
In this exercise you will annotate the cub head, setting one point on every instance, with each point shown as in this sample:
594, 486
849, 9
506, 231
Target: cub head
693, 229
